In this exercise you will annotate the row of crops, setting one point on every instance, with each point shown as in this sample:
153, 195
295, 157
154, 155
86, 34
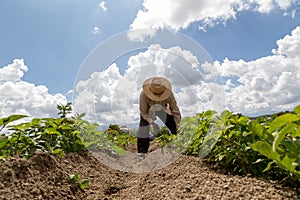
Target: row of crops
59, 135
266, 146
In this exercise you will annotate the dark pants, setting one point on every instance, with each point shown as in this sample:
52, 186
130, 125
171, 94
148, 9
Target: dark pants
143, 140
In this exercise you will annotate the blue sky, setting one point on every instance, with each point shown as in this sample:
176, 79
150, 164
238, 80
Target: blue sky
249, 37
54, 37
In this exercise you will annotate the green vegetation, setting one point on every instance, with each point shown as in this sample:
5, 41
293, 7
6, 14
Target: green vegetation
59, 136
280, 143
75, 179
266, 146
119, 137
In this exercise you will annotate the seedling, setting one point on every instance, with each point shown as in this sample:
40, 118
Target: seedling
77, 182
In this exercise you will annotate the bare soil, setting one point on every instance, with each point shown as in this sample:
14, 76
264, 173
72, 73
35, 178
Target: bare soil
46, 177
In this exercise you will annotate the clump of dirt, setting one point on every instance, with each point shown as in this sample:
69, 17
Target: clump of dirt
46, 177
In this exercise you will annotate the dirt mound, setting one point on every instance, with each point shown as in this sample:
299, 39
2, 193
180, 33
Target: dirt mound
46, 177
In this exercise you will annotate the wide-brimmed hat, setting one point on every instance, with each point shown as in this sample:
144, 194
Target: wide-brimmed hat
157, 88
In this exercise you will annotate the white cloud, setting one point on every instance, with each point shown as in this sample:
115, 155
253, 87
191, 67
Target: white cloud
96, 30
110, 97
266, 85
290, 45
262, 86
93, 96
20, 97
285, 4
264, 6
178, 14
102, 6
14, 71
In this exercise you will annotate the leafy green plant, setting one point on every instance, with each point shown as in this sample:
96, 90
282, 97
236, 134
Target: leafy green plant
6, 120
64, 109
95, 139
4, 139
223, 139
264, 146
53, 135
280, 143
231, 150
192, 132
119, 137
59, 136
163, 136
75, 179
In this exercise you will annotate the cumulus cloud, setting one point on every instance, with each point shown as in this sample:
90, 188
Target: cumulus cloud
265, 85
13, 72
289, 45
262, 86
102, 6
20, 97
111, 97
93, 96
177, 14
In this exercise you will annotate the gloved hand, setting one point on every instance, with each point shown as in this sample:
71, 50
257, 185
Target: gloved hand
155, 127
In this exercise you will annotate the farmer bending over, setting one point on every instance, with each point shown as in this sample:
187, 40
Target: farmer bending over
156, 100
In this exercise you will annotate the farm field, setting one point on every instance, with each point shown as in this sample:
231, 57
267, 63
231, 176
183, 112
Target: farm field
214, 156
46, 177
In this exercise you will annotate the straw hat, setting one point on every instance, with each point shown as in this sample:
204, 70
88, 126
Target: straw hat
157, 88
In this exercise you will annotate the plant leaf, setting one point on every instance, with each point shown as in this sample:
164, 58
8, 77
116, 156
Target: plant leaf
208, 144
282, 120
287, 162
4, 121
268, 166
258, 129
84, 184
3, 141
226, 114
265, 149
281, 134
297, 110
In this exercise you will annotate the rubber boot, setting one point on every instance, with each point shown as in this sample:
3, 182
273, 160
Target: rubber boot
143, 145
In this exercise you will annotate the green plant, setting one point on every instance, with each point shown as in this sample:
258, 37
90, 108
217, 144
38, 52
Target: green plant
75, 179
264, 146
59, 136
231, 149
53, 135
163, 136
280, 143
4, 139
223, 139
6, 120
112, 139
192, 132
64, 109
119, 137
